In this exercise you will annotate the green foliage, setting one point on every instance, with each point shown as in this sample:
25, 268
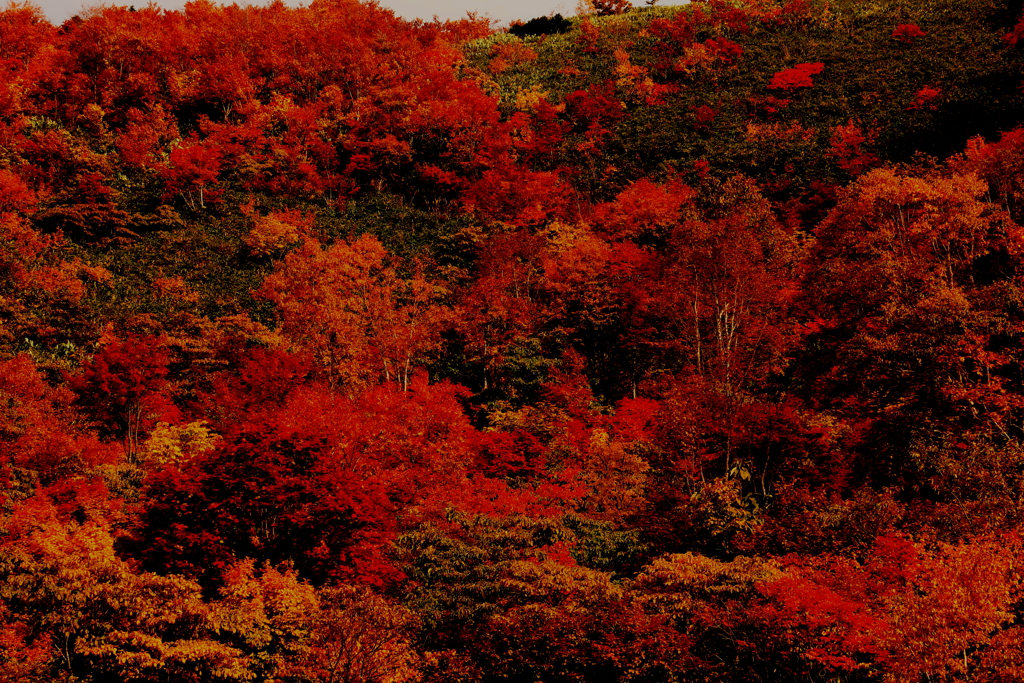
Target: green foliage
869, 77
462, 568
599, 545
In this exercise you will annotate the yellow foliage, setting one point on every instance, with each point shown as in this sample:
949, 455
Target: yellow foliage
176, 444
563, 236
616, 475
677, 585
269, 613
527, 100
962, 595
548, 581
627, 72
244, 327
695, 58
66, 580
271, 233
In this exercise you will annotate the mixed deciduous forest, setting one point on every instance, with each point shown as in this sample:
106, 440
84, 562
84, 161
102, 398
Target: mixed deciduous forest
678, 344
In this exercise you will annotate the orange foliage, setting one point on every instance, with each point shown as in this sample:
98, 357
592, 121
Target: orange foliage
352, 310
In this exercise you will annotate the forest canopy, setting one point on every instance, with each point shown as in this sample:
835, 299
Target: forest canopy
677, 344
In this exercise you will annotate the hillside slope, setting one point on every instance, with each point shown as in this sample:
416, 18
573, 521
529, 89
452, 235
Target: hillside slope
684, 344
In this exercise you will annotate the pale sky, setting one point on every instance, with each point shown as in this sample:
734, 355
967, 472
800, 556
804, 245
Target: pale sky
501, 10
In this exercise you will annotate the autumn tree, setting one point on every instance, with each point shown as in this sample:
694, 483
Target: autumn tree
490, 587
501, 315
191, 173
39, 440
97, 617
125, 386
908, 283
270, 495
715, 318
348, 305
309, 477
265, 614
999, 164
357, 636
